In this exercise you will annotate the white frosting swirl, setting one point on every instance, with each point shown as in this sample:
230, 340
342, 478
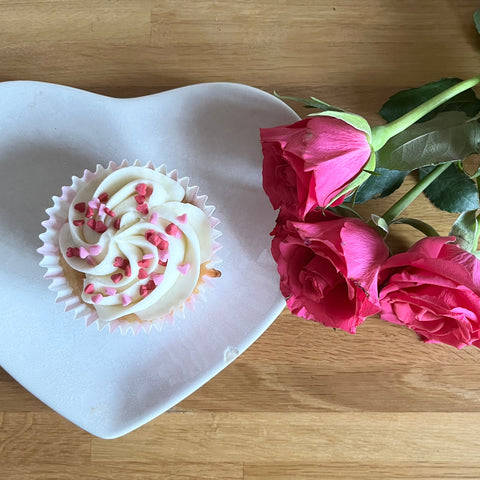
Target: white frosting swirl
139, 244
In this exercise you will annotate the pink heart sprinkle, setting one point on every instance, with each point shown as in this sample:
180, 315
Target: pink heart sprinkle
103, 197
157, 278
119, 262
80, 207
184, 268
144, 263
163, 255
116, 277
154, 218
110, 291
100, 227
78, 223
143, 208
95, 250
140, 199
91, 261
173, 230
149, 191
163, 245
97, 298
83, 252
101, 210
90, 288
95, 203
153, 237
116, 223
142, 274
141, 189
182, 218
126, 299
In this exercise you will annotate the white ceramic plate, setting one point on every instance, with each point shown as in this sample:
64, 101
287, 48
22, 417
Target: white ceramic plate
109, 384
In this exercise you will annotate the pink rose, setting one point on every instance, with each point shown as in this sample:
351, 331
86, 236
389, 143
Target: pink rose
309, 163
328, 268
434, 289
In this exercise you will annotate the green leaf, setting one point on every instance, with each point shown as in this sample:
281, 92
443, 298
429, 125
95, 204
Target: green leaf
453, 191
311, 102
380, 184
476, 19
406, 100
450, 136
465, 229
379, 222
423, 227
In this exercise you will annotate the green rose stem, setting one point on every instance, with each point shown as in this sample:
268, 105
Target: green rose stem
382, 133
398, 207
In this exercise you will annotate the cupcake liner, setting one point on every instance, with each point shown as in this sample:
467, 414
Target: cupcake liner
57, 273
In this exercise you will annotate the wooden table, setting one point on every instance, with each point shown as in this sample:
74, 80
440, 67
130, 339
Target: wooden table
304, 402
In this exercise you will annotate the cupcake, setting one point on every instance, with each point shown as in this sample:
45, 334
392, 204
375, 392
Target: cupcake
129, 246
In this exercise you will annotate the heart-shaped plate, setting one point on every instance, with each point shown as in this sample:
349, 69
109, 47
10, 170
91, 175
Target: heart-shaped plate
108, 383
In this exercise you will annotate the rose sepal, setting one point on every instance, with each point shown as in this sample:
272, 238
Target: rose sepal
466, 230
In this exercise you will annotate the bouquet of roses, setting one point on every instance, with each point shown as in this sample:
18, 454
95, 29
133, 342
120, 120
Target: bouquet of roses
334, 266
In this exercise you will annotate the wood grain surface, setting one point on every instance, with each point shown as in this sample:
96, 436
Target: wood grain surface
304, 402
